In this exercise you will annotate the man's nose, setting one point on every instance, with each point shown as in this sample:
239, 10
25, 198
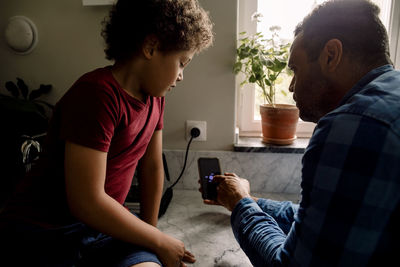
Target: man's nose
291, 86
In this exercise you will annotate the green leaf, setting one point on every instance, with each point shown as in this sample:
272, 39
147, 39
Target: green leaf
237, 67
269, 64
244, 52
22, 87
254, 51
12, 88
256, 67
277, 65
243, 82
43, 89
259, 76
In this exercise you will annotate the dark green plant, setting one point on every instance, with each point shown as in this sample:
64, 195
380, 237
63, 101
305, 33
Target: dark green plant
24, 100
262, 61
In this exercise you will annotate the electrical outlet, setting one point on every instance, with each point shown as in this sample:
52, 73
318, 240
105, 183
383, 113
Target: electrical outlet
202, 125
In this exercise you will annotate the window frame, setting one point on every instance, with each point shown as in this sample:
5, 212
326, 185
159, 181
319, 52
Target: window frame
246, 123
394, 33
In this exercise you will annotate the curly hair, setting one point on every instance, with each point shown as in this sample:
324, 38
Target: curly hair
178, 25
355, 23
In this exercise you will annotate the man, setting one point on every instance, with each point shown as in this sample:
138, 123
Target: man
349, 213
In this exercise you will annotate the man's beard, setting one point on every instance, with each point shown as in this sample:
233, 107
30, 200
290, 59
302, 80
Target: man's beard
314, 110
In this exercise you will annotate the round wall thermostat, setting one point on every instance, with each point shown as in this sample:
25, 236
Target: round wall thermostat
21, 35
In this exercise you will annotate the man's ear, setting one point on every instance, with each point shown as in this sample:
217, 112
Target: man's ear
150, 45
331, 55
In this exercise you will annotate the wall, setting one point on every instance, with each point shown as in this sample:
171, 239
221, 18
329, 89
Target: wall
70, 45
207, 92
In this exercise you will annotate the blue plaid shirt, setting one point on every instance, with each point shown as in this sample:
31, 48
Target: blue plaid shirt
349, 214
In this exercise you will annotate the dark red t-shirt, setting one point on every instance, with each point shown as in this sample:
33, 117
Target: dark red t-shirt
97, 113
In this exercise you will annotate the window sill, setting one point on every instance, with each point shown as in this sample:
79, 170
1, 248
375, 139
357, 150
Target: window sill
254, 144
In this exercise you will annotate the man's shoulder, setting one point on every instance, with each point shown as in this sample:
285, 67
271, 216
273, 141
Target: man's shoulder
378, 100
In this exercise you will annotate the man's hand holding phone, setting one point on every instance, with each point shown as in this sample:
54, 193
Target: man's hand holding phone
216, 189
230, 190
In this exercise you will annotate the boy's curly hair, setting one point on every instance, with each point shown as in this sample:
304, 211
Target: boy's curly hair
178, 25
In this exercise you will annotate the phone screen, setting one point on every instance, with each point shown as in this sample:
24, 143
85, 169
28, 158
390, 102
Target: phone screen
208, 168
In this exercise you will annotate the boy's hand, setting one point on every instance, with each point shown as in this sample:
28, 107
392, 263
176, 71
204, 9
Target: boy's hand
188, 257
230, 190
172, 253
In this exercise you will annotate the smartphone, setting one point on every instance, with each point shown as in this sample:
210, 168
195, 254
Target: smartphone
208, 168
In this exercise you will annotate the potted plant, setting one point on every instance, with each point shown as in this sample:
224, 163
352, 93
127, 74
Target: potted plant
262, 61
24, 120
24, 100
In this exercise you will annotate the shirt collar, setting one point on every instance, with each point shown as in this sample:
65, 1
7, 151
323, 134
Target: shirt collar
367, 78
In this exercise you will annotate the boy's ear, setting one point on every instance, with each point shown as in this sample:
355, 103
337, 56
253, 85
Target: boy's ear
150, 44
331, 55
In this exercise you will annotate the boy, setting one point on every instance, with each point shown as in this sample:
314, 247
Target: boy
69, 210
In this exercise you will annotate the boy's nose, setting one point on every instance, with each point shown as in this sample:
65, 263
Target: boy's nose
180, 77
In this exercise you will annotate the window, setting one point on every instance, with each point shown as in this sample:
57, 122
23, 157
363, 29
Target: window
286, 14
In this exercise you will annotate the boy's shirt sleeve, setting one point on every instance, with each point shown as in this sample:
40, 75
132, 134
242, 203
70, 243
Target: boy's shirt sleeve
89, 115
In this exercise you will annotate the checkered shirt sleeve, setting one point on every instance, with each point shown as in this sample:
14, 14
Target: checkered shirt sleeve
350, 191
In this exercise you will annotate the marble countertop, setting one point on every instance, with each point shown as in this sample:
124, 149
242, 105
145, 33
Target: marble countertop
206, 229
255, 144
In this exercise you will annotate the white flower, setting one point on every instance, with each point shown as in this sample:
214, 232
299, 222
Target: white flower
275, 28
256, 17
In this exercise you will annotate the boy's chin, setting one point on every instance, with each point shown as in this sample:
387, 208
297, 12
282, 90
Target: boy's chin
158, 94
161, 94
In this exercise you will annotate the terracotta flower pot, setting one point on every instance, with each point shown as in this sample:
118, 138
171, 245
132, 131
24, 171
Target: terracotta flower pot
279, 123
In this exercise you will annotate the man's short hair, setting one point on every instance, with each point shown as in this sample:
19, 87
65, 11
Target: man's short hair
355, 23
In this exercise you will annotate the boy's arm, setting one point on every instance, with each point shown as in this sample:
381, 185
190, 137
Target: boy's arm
151, 179
85, 171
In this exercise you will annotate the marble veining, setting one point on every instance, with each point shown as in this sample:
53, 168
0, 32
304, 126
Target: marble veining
267, 172
206, 230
